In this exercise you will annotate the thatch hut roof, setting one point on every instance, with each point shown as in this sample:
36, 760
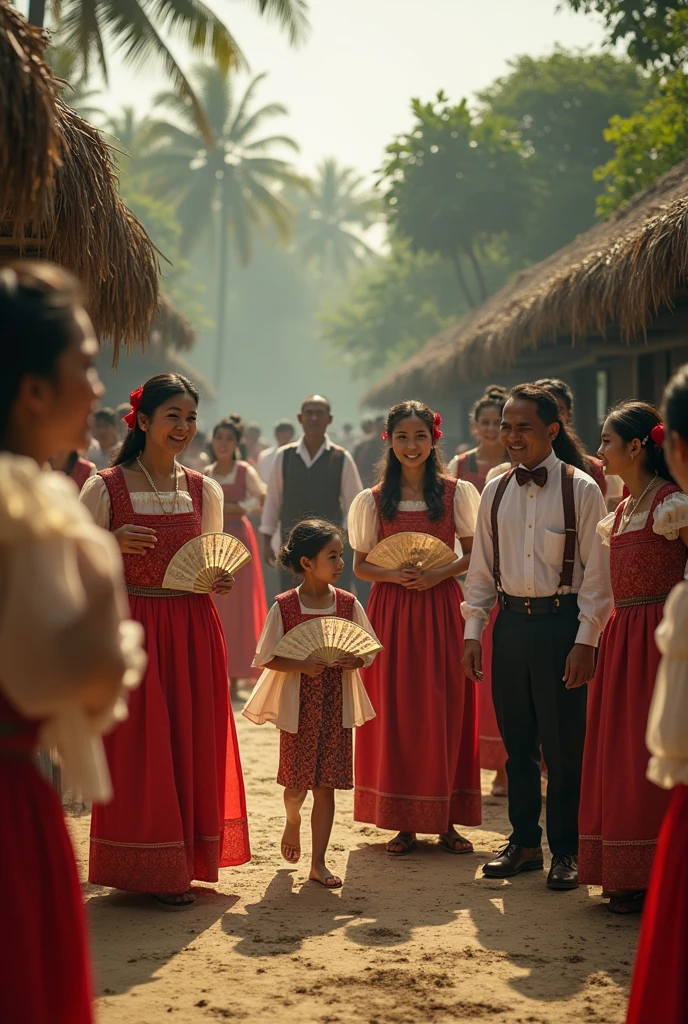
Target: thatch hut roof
171, 327
608, 283
58, 192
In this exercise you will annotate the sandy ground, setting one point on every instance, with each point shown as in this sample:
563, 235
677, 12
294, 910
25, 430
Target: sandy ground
419, 939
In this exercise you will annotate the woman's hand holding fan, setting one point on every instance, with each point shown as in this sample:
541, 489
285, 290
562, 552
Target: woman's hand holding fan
414, 559
206, 564
223, 584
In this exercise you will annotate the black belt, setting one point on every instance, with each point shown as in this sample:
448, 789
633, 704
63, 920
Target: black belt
567, 603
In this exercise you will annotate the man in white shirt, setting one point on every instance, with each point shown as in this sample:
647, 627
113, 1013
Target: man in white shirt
105, 444
310, 478
554, 602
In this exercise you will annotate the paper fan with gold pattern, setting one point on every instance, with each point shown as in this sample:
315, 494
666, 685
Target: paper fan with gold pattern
200, 561
411, 551
326, 638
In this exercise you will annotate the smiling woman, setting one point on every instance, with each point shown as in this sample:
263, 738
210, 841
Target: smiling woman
179, 812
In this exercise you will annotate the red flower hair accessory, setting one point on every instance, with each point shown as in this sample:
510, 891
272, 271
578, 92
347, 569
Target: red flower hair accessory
135, 401
658, 434
436, 424
384, 435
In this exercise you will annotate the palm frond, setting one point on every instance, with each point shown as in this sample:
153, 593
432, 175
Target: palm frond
271, 140
291, 14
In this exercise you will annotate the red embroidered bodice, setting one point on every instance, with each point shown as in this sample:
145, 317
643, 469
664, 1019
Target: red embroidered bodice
643, 564
464, 471
419, 521
290, 608
173, 531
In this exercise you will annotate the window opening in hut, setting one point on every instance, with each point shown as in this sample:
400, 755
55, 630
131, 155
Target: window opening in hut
602, 393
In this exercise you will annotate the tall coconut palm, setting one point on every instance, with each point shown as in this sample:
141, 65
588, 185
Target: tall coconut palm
233, 185
136, 30
332, 217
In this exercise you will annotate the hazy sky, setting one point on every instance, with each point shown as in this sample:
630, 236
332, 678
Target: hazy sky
348, 87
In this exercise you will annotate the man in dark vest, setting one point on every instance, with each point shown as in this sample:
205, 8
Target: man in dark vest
311, 477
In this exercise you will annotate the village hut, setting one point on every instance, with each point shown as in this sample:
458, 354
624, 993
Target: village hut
58, 192
608, 313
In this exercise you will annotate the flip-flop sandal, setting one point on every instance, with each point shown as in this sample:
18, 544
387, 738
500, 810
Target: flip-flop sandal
331, 882
175, 902
499, 790
448, 843
406, 842
628, 904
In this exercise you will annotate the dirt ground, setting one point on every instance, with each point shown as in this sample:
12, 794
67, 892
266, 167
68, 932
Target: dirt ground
419, 939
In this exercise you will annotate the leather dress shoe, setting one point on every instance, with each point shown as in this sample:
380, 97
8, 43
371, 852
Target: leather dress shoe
513, 859
564, 873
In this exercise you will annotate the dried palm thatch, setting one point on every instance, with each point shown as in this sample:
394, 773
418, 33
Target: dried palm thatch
171, 328
608, 283
64, 204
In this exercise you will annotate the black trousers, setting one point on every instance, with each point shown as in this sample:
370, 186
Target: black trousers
534, 709
287, 581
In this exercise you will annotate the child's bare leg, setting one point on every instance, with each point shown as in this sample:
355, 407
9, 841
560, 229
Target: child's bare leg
321, 827
291, 840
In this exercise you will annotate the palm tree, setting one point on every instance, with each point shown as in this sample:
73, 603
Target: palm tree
66, 66
134, 29
331, 218
130, 131
235, 185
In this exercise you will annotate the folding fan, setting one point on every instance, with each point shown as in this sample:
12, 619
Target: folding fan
200, 561
326, 638
411, 551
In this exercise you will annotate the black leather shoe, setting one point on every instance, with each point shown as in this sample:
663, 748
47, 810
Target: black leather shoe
513, 859
564, 873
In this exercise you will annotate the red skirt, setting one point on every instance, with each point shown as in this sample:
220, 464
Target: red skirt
492, 752
179, 811
417, 763
46, 974
244, 611
659, 992
621, 810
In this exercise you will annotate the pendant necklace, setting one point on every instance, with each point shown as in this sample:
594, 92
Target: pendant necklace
633, 504
149, 478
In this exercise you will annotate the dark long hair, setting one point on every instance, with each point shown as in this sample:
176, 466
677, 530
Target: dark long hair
631, 420
558, 388
236, 425
38, 301
390, 467
567, 445
675, 403
155, 391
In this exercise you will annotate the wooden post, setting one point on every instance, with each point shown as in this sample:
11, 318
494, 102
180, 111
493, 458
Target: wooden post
37, 12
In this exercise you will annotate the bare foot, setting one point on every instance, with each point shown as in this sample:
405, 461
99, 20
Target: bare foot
291, 841
500, 784
234, 687
320, 873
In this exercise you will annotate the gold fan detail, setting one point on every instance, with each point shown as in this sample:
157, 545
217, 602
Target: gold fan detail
326, 638
200, 561
411, 551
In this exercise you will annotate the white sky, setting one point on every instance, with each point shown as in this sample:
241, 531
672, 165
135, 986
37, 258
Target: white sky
348, 87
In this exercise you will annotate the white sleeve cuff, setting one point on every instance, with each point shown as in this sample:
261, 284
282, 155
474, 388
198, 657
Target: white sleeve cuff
588, 634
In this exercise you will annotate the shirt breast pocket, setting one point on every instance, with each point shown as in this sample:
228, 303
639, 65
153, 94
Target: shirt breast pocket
554, 548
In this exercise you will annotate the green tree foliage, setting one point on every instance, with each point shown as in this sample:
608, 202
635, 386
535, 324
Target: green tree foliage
654, 32
331, 219
454, 183
646, 144
562, 105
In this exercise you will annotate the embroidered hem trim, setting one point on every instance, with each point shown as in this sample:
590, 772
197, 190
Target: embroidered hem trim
136, 591
430, 815
615, 864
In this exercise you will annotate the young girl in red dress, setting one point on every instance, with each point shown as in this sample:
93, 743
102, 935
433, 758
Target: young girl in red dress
65, 647
179, 811
474, 466
242, 612
660, 982
315, 707
417, 686
621, 812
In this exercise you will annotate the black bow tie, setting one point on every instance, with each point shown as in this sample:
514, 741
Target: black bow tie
536, 476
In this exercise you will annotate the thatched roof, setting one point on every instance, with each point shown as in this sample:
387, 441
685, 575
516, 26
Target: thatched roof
58, 192
171, 327
609, 282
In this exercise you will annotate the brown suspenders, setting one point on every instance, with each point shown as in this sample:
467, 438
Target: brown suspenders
567, 474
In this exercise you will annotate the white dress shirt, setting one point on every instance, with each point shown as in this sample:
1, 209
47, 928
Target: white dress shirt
350, 484
265, 462
531, 550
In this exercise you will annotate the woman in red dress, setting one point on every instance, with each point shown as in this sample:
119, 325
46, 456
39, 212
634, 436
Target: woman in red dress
621, 811
416, 685
242, 612
660, 982
63, 655
474, 466
179, 811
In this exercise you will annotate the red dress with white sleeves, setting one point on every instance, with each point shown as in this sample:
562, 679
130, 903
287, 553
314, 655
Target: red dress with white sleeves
423, 701
45, 967
320, 753
179, 810
492, 752
621, 810
244, 611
